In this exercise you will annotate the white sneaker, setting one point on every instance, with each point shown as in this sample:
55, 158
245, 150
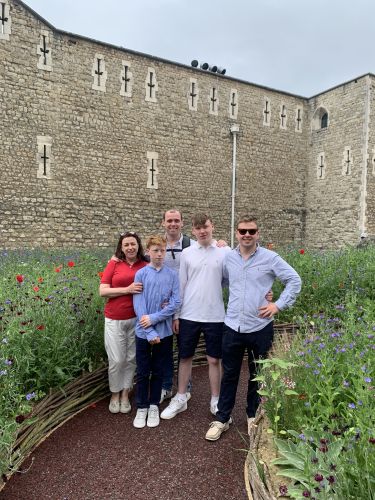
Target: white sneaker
175, 406
165, 394
216, 429
140, 418
153, 419
213, 408
188, 396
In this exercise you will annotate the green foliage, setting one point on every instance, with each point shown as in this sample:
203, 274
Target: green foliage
51, 329
329, 419
327, 277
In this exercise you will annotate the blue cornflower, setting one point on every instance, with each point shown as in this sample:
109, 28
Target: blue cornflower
343, 349
370, 336
346, 383
316, 372
7, 301
322, 345
302, 436
8, 362
351, 405
368, 380
29, 396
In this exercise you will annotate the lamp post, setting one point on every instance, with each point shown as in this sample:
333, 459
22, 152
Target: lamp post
234, 129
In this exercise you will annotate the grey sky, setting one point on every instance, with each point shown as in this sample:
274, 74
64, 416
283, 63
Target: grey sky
300, 46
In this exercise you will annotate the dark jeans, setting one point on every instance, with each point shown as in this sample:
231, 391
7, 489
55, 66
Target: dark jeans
168, 372
235, 344
150, 362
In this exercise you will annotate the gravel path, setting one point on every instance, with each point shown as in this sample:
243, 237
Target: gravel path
100, 456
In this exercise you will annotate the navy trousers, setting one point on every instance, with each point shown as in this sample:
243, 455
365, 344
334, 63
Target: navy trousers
235, 344
151, 360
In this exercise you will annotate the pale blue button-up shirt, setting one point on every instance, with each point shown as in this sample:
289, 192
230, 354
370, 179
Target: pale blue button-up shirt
159, 299
249, 282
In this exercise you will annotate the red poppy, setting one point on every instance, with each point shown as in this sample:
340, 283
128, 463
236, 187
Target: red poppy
71, 263
40, 280
302, 251
19, 278
40, 327
57, 269
100, 274
36, 288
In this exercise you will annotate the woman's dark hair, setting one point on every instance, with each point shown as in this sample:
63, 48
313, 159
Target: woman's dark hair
129, 234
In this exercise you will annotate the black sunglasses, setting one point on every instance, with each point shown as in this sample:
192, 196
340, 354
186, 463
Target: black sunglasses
250, 231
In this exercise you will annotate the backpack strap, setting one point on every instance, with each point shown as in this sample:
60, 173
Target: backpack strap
185, 241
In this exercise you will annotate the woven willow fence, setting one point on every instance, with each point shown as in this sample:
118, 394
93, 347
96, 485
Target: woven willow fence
64, 403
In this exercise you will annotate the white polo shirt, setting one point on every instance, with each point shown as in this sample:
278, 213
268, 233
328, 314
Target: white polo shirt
201, 275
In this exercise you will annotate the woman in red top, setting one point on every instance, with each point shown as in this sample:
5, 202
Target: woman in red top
117, 284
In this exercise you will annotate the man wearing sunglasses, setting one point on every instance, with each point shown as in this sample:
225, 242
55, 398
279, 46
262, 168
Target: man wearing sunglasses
248, 325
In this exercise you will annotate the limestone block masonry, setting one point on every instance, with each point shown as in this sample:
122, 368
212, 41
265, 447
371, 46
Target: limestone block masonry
97, 139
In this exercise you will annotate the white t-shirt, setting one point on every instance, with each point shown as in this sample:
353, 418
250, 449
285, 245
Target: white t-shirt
201, 275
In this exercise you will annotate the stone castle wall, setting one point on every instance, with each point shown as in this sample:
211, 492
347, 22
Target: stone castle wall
102, 139
333, 200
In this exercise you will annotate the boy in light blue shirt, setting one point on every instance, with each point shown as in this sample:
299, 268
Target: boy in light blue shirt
154, 308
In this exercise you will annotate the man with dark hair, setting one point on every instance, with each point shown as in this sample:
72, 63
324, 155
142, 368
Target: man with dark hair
248, 323
202, 311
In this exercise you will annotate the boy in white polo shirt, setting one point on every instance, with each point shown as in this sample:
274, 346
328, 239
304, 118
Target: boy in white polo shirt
202, 310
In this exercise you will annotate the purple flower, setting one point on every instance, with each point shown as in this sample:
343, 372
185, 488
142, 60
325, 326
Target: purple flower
9, 362
29, 396
351, 405
302, 437
3, 372
346, 383
306, 494
300, 353
371, 336
316, 372
283, 489
368, 380
322, 345
343, 349
318, 478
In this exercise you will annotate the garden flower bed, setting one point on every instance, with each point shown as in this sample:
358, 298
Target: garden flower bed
320, 403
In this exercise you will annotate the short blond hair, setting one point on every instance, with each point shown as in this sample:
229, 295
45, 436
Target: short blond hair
156, 240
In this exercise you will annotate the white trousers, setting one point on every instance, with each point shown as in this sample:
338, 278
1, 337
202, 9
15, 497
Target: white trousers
119, 341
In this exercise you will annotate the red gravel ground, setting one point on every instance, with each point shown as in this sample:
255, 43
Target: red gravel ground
97, 455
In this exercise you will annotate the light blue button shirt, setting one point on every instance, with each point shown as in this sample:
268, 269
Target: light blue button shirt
249, 282
159, 299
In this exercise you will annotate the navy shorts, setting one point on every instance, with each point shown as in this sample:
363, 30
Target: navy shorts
189, 334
